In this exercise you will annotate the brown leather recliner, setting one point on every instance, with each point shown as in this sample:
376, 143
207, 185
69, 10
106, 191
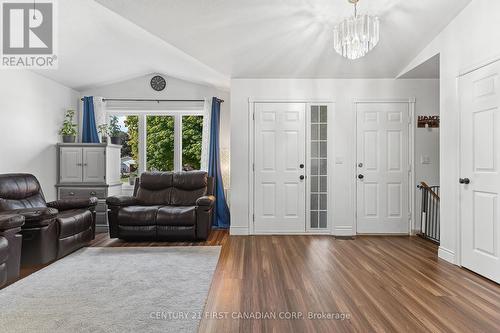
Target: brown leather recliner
165, 206
10, 247
51, 230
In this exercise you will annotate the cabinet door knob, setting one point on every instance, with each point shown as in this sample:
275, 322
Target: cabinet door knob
93, 193
71, 193
360, 176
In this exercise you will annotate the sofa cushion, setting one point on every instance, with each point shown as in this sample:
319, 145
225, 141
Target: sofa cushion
138, 215
155, 188
191, 180
176, 216
72, 222
188, 187
155, 181
153, 198
20, 191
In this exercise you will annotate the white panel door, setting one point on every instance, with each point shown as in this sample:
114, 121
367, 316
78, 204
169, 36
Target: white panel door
70, 165
279, 195
382, 168
480, 171
94, 165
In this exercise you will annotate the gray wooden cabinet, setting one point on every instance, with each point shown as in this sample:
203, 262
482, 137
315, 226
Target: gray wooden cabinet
89, 170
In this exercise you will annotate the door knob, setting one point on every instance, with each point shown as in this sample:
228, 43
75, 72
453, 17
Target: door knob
360, 176
301, 166
302, 177
464, 181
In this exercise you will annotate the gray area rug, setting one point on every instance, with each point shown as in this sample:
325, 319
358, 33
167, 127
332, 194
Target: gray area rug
113, 290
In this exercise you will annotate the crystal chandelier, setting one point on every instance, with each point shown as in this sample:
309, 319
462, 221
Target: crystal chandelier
355, 36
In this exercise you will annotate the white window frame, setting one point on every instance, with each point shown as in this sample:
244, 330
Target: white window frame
143, 114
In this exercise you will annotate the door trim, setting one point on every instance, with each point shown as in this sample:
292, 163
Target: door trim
411, 152
251, 157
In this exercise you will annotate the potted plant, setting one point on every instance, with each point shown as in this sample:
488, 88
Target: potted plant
103, 130
114, 131
68, 129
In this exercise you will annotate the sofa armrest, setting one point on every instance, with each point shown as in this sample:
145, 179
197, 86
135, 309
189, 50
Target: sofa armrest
68, 204
37, 217
10, 221
206, 201
121, 201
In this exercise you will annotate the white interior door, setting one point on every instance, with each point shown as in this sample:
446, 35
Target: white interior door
279, 150
479, 171
383, 167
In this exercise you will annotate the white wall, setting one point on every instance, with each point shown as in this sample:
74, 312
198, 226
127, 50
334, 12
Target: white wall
470, 39
32, 109
343, 92
176, 89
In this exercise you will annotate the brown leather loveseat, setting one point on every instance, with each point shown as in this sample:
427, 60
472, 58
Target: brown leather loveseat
165, 206
51, 230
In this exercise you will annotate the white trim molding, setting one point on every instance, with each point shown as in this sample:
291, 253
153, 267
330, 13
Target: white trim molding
238, 231
447, 255
343, 231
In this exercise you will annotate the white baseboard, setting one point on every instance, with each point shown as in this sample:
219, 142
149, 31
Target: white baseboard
343, 231
447, 255
238, 231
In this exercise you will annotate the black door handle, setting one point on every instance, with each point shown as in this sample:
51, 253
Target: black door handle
301, 166
302, 177
465, 181
360, 176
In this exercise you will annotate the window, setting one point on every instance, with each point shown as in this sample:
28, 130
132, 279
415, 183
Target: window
192, 133
159, 141
319, 168
129, 126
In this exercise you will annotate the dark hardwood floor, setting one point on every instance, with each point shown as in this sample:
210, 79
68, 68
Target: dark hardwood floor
382, 284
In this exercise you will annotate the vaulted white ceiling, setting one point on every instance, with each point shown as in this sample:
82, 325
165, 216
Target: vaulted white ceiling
289, 38
211, 41
96, 46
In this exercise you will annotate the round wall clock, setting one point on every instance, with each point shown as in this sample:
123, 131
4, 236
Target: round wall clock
158, 83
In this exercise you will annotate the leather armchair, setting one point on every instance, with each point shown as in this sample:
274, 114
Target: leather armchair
165, 206
10, 247
51, 230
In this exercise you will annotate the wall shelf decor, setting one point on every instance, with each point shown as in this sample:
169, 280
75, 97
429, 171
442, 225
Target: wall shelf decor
428, 122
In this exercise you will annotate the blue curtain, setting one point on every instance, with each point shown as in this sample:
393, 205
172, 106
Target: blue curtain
89, 128
221, 214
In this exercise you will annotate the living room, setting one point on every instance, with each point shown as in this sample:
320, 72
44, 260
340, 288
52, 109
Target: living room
216, 166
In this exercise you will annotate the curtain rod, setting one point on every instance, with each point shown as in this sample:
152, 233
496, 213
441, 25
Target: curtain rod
154, 100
